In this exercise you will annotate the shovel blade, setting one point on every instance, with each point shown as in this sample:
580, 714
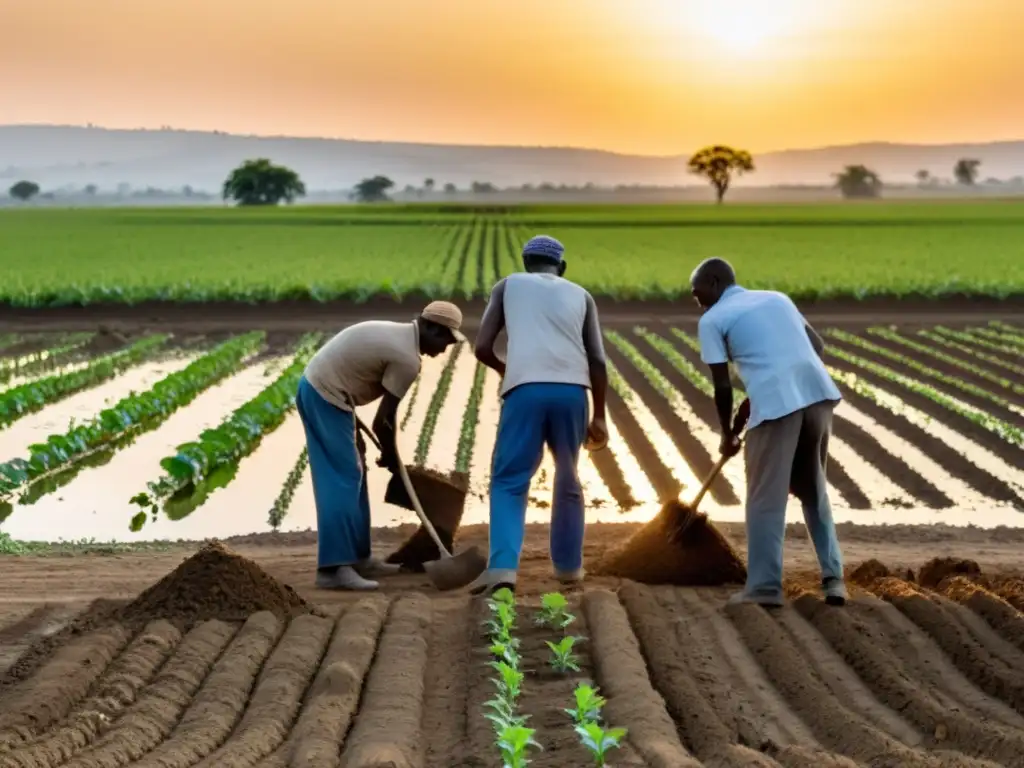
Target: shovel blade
456, 571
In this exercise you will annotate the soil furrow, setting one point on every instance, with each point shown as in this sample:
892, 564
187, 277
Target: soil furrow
843, 681
464, 255
153, 716
115, 691
478, 747
977, 362
892, 466
835, 726
1000, 615
864, 646
277, 696
448, 674
50, 694
763, 718
15, 631
989, 639
921, 659
1012, 455
943, 454
704, 406
980, 666
664, 483
663, 635
387, 730
455, 246
621, 674
221, 700
949, 369
691, 449
608, 468
334, 697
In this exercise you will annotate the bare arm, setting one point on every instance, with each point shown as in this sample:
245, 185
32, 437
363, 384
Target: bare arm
594, 345
815, 338
723, 395
491, 325
384, 427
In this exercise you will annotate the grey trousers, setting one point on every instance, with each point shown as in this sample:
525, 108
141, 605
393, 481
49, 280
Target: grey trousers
784, 456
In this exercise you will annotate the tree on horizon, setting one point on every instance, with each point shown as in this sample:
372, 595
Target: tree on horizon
718, 164
859, 182
966, 171
373, 190
24, 190
260, 182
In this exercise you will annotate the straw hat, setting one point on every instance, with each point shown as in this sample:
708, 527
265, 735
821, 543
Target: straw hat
447, 314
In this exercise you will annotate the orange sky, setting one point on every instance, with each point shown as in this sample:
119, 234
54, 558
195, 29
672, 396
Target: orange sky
643, 76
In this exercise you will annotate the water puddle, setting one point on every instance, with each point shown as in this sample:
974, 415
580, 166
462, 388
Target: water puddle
637, 480
95, 505
56, 418
444, 444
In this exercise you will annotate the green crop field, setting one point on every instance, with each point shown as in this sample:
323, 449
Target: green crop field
82, 256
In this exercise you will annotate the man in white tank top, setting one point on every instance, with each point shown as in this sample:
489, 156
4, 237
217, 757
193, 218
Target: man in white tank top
555, 354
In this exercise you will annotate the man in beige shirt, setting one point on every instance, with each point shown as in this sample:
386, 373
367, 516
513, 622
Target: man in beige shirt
367, 361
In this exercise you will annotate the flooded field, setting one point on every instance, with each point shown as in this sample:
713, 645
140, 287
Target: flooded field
929, 431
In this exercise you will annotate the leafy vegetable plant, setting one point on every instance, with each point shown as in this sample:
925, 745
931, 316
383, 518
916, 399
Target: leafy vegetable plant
284, 498
554, 611
589, 704
42, 359
444, 383
470, 419
513, 743
599, 740
562, 657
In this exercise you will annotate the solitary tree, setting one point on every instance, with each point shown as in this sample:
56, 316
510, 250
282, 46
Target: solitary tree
428, 185
24, 190
858, 181
90, 189
923, 177
373, 190
260, 182
450, 189
966, 171
718, 164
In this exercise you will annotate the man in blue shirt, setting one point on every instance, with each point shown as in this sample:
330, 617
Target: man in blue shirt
778, 357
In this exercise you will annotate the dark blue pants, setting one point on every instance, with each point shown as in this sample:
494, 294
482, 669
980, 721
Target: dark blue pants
339, 480
533, 415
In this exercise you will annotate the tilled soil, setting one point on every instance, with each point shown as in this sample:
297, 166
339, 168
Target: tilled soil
905, 675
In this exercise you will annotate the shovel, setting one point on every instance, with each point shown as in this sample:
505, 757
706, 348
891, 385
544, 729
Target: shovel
449, 571
687, 513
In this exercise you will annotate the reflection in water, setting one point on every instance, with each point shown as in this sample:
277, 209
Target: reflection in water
444, 445
95, 504
635, 477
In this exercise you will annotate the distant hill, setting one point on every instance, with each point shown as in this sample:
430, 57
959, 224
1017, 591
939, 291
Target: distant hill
57, 156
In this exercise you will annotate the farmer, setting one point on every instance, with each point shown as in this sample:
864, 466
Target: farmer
555, 355
792, 397
366, 361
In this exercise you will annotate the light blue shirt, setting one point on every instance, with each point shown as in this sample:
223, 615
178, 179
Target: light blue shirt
764, 335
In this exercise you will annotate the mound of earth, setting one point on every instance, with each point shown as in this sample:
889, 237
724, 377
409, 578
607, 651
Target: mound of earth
868, 572
938, 569
699, 556
214, 583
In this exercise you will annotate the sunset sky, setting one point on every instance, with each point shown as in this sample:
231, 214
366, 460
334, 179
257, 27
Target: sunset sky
639, 76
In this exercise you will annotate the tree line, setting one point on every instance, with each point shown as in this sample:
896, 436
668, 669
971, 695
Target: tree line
260, 182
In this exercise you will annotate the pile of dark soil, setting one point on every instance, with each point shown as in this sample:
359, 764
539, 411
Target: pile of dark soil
443, 498
936, 570
868, 572
701, 556
214, 583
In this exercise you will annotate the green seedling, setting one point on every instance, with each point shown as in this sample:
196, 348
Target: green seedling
513, 742
507, 652
599, 741
503, 715
503, 596
554, 611
510, 680
562, 657
589, 704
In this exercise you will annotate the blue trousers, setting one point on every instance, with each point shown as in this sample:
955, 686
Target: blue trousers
339, 480
533, 415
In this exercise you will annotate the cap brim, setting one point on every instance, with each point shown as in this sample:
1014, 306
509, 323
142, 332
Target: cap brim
458, 335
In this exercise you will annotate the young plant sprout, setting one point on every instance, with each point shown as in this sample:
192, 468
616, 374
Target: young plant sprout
513, 742
502, 714
554, 611
507, 652
562, 657
588, 704
509, 682
599, 741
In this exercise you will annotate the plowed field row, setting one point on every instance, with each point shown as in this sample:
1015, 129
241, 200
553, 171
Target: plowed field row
903, 676
925, 425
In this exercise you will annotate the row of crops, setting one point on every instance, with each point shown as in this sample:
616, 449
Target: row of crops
954, 396
66, 257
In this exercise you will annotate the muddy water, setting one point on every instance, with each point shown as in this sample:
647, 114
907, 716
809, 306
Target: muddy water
962, 494
95, 504
875, 485
55, 418
635, 477
486, 434
444, 445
